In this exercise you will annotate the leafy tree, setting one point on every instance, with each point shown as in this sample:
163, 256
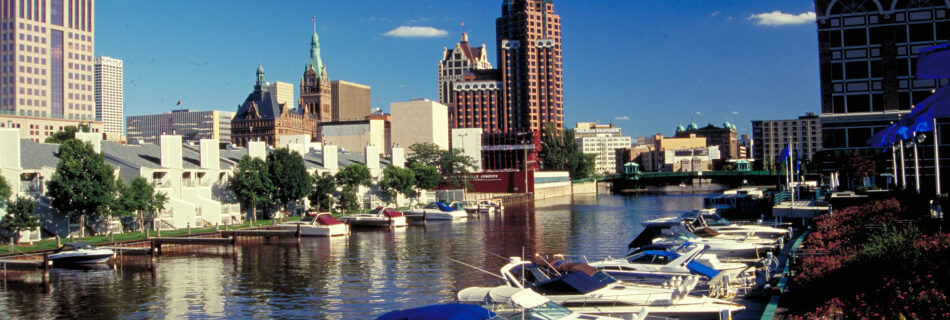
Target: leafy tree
139, 199
453, 165
83, 184
321, 194
68, 132
349, 202
20, 217
425, 153
427, 177
289, 176
397, 181
559, 151
251, 184
4, 192
353, 175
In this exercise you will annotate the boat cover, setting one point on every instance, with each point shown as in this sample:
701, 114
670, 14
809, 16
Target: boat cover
390, 213
453, 311
569, 283
515, 297
444, 207
327, 220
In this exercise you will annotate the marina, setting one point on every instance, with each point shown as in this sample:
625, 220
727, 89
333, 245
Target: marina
370, 272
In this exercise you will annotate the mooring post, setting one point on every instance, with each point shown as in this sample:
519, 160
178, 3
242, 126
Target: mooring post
58, 244
111, 237
298, 233
188, 225
158, 232
46, 262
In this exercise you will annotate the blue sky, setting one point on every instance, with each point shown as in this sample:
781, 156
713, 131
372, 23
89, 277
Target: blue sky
647, 66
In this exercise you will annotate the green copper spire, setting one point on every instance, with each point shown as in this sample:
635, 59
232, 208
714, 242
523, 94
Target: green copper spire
316, 64
260, 76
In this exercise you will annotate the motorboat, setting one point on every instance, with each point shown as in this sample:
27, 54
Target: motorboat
478, 207
437, 211
662, 265
319, 225
79, 253
518, 303
449, 311
582, 288
726, 248
704, 218
381, 217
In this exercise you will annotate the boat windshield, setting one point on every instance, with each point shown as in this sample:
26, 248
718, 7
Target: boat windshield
603, 277
547, 311
716, 220
308, 218
376, 211
433, 205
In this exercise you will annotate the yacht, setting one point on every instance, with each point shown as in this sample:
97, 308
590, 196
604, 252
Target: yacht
381, 217
319, 225
518, 303
436, 211
723, 248
657, 266
703, 218
79, 253
582, 288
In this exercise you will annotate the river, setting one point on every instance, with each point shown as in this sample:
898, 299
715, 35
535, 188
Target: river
359, 277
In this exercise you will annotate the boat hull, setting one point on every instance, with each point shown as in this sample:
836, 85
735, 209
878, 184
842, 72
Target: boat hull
76, 258
317, 231
436, 215
375, 222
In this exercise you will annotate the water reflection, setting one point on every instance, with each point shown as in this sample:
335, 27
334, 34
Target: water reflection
367, 274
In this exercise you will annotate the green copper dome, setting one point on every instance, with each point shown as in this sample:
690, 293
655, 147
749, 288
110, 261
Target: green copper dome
692, 126
316, 64
680, 128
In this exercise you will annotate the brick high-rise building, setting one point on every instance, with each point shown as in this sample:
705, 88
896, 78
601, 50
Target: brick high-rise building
525, 92
47, 66
458, 62
109, 100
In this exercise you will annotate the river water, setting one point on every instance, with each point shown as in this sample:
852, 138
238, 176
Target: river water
359, 277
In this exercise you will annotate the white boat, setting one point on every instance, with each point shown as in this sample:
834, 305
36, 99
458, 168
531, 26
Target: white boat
724, 248
710, 218
79, 253
319, 225
479, 207
518, 303
662, 265
381, 217
436, 211
580, 287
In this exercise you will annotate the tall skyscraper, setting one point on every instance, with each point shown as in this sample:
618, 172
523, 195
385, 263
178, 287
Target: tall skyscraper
350, 101
284, 92
108, 88
47, 66
867, 54
315, 96
458, 62
525, 92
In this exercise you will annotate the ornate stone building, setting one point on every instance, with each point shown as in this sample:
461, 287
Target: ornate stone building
262, 118
315, 92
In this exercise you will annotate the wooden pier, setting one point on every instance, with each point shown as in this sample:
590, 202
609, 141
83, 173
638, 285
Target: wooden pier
262, 233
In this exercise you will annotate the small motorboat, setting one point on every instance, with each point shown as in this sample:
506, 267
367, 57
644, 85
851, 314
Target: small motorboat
478, 207
318, 225
437, 211
661, 265
381, 217
710, 218
79, 253
451, 311
518, 303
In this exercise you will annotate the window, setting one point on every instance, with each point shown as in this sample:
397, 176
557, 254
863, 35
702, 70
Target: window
855, 37
921, 32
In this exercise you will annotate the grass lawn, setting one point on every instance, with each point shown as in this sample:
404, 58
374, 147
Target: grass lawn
129, 236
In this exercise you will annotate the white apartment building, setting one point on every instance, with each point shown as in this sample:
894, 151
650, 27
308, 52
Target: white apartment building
604, 147
47, 66
109, 100
769, 137
419, 121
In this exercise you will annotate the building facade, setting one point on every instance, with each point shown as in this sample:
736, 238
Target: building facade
456, 63
419, 121
593, 129
192, 126
109, 100
601, 140
469, 141
525, 92
356, 135
867, 53
349, 101
769, 137
47, 70
284, 92
724, 137
262, 118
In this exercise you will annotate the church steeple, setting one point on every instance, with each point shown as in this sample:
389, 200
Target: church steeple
260, 78
316, 64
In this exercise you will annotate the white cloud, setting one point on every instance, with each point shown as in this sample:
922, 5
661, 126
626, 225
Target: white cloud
622, 118
714, 14
735, 112
416, 32
778, 18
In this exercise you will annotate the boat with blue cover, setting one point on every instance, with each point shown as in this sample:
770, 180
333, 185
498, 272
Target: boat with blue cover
437, 211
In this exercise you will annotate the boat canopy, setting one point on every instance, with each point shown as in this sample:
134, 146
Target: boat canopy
390, 213
444, 207
327, 220
453, 311
514, 297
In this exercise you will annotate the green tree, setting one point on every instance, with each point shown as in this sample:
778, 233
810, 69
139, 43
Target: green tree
251, 184
397, 181
353, 175
20, 217
559, 151
321, 194
349, 202
139, 199
427, 177
83, 184
425, 153
4, 192
68, 132
289, 176
453, 165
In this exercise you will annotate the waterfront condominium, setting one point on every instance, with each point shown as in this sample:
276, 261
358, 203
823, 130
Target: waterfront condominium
108, 88
867, 54
46, 66
524, 93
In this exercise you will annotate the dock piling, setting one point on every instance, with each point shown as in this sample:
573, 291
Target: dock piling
58, 242
297, 234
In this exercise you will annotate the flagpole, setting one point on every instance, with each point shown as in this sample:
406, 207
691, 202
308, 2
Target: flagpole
916, 166
903, 169
894, 162
937, 156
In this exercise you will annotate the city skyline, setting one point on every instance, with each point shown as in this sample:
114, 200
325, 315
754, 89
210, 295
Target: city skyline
723, 54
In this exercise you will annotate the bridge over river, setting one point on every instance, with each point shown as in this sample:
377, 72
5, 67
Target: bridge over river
641, 180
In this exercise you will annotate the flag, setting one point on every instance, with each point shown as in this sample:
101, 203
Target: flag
783, 155
312, 19
179, 102
934, 62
